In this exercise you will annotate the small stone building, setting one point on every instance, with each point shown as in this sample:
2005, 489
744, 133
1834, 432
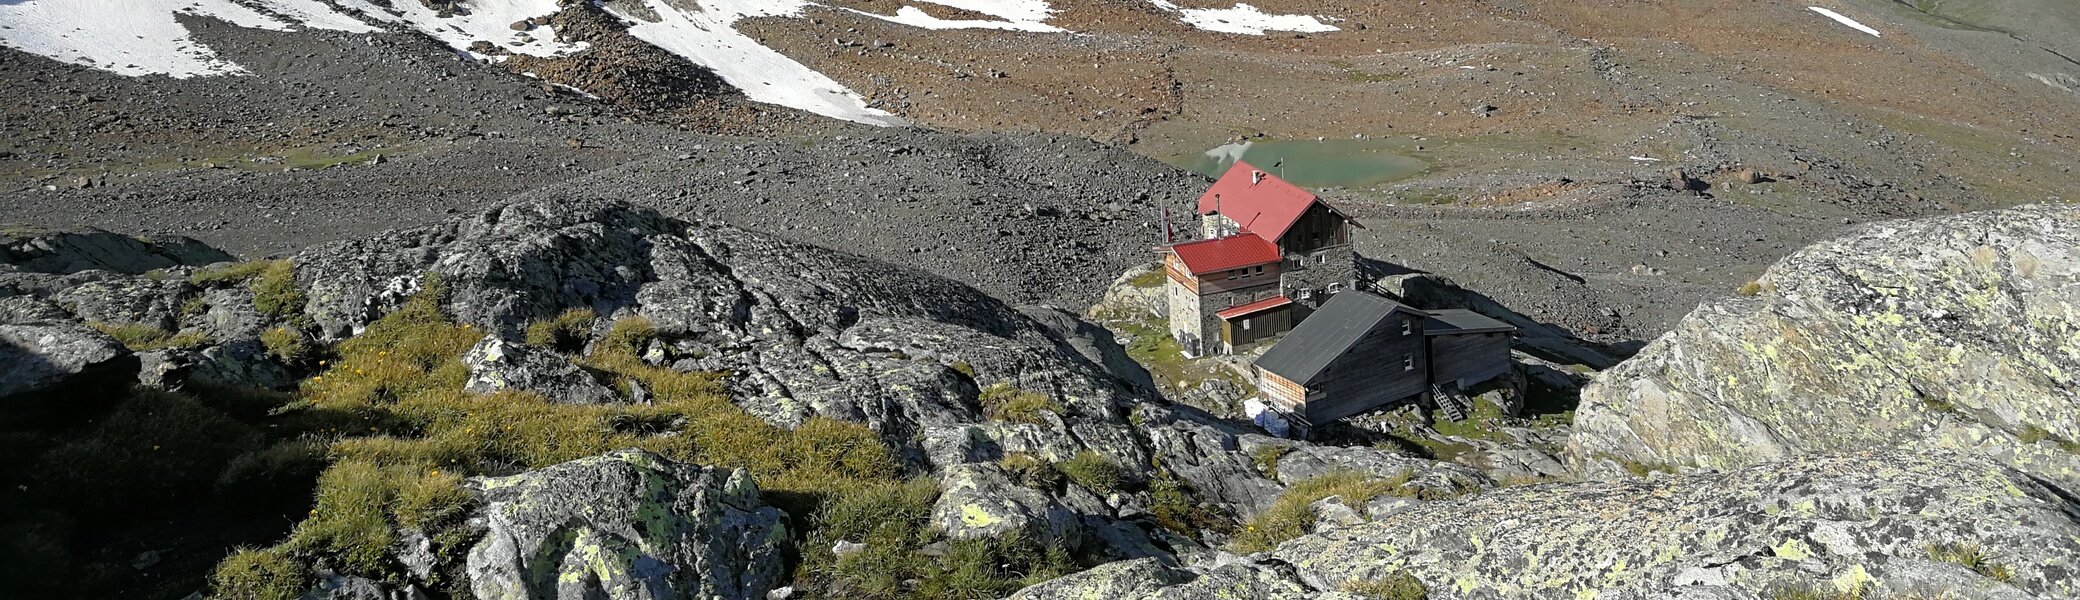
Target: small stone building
1273, 253
1363, 352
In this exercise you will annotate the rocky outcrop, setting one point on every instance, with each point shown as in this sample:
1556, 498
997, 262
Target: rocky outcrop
1959, 332
626, 525
44, 348
1151, 580
60, 252
1879, 522
495, 365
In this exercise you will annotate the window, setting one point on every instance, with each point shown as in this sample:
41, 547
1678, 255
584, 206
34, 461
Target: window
1408, 362
1321, 260
1335, 287
1232, 275
1407, 327
1245, 324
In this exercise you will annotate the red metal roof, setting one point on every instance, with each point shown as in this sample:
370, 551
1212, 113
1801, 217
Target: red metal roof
1254, 307
1256, 200
1232, 252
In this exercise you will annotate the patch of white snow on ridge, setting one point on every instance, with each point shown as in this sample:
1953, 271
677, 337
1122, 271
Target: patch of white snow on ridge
484, 20
316, 14
916, 17
1845, 20
708, 38
1019, 11
1244, 19
142, 37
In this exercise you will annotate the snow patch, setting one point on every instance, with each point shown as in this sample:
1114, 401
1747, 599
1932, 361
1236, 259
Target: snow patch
486, 20
142, 37
708, 38
316, 14
1244, 19
916, 17
1845, 20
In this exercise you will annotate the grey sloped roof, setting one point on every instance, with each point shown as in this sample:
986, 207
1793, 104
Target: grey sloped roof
1459, 321
1327, 334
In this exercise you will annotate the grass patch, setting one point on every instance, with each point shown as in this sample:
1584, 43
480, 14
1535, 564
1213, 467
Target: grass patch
1170, 502
963, 368
155, 444
1031, 471
250, 574
1094, 472
141, 338
566, 333
1815, 593
1293, 516
286, 345
2032, 434
1399, 586
1751, 288
1973, 557
1150, 280
1150, 345
1002, 402
229, 274
1266, 458
275, 293
401, 435
628, 337
892, 521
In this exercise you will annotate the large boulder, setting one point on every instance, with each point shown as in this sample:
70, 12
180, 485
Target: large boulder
44, 349
981, 501
1958, 332
496, 365
1891, 524
626, 525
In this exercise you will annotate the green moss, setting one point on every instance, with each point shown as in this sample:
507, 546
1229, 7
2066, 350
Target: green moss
1751, 288
566, 333
1971, 556
964, 369
1094, 472
141, 338
1005, 403
1399, 586
1267, 457
1031, 471
1292, 515
250, 574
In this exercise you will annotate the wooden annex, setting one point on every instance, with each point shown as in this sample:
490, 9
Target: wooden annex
1361, 352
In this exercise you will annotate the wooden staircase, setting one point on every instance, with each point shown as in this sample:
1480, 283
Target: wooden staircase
1451, 401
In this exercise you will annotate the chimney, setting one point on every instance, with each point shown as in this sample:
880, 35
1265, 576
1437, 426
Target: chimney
1256, 177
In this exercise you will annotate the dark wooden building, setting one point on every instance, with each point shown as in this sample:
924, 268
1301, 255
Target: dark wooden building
1361, 352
